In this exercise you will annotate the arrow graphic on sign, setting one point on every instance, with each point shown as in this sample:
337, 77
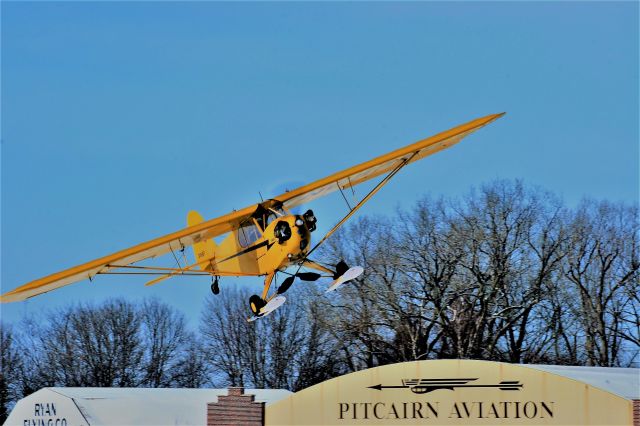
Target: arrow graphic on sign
421, 386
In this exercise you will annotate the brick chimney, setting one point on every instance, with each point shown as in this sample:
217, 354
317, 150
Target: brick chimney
235, 409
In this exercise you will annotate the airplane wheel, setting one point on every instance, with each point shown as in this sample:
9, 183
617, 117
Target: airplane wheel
215, 288
256, 303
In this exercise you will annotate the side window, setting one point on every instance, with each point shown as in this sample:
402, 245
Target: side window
248, 234
271, 216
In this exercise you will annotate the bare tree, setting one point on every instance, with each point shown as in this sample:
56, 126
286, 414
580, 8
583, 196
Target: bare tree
486, 277
191, 370
10, 366
354, 315
318, 358
116, 343
225, 334
431, 257
287, 349
165, 339
602, 264
506, 273
94, 345
107, 340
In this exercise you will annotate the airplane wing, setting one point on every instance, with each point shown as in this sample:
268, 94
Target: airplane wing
388, 163
383, 164
157, 247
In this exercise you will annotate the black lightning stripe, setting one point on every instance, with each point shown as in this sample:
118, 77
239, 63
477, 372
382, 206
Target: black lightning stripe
249, 250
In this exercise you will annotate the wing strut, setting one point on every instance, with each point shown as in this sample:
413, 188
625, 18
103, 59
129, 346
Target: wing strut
343, 196
366, 198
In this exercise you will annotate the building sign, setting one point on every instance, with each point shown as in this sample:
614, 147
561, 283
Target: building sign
46, 408
451, 392
45, 414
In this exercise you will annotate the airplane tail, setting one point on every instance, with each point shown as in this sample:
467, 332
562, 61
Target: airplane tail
204, 250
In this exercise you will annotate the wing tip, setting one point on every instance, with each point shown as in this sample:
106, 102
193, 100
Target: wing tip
11, 296
498, 115
483, 121
495, 116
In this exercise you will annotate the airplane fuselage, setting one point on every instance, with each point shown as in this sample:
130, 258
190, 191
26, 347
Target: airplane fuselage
250, 249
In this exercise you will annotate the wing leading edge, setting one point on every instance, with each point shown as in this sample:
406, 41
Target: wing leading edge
175, 241
383, 164
211, 228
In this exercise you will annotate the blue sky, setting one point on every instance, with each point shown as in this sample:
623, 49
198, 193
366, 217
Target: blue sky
118, 118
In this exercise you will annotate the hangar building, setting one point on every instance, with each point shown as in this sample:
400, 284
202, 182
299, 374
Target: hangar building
138, 406
460, 392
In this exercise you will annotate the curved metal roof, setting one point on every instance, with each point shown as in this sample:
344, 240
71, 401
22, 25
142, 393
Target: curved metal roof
624, 382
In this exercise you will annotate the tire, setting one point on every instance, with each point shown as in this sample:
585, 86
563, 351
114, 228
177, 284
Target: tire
256, 303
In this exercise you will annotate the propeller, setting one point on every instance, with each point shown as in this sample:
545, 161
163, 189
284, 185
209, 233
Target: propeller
286, 284
308, 276
304, 276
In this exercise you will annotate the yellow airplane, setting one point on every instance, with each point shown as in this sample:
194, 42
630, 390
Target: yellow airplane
263, 239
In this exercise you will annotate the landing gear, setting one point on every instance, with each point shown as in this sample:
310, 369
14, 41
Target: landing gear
256, 303
261, 308
215, 288
343, 274
341, 268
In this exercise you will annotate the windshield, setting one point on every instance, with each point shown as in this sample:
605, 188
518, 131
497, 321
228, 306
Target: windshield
273, 214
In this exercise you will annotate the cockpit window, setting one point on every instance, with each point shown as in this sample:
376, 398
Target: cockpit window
265, 215
248, 234
273, 214
279, 210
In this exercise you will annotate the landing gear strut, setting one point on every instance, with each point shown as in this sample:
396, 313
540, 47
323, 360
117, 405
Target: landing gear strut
215, 288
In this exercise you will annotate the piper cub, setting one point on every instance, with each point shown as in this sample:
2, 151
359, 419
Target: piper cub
263, 239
